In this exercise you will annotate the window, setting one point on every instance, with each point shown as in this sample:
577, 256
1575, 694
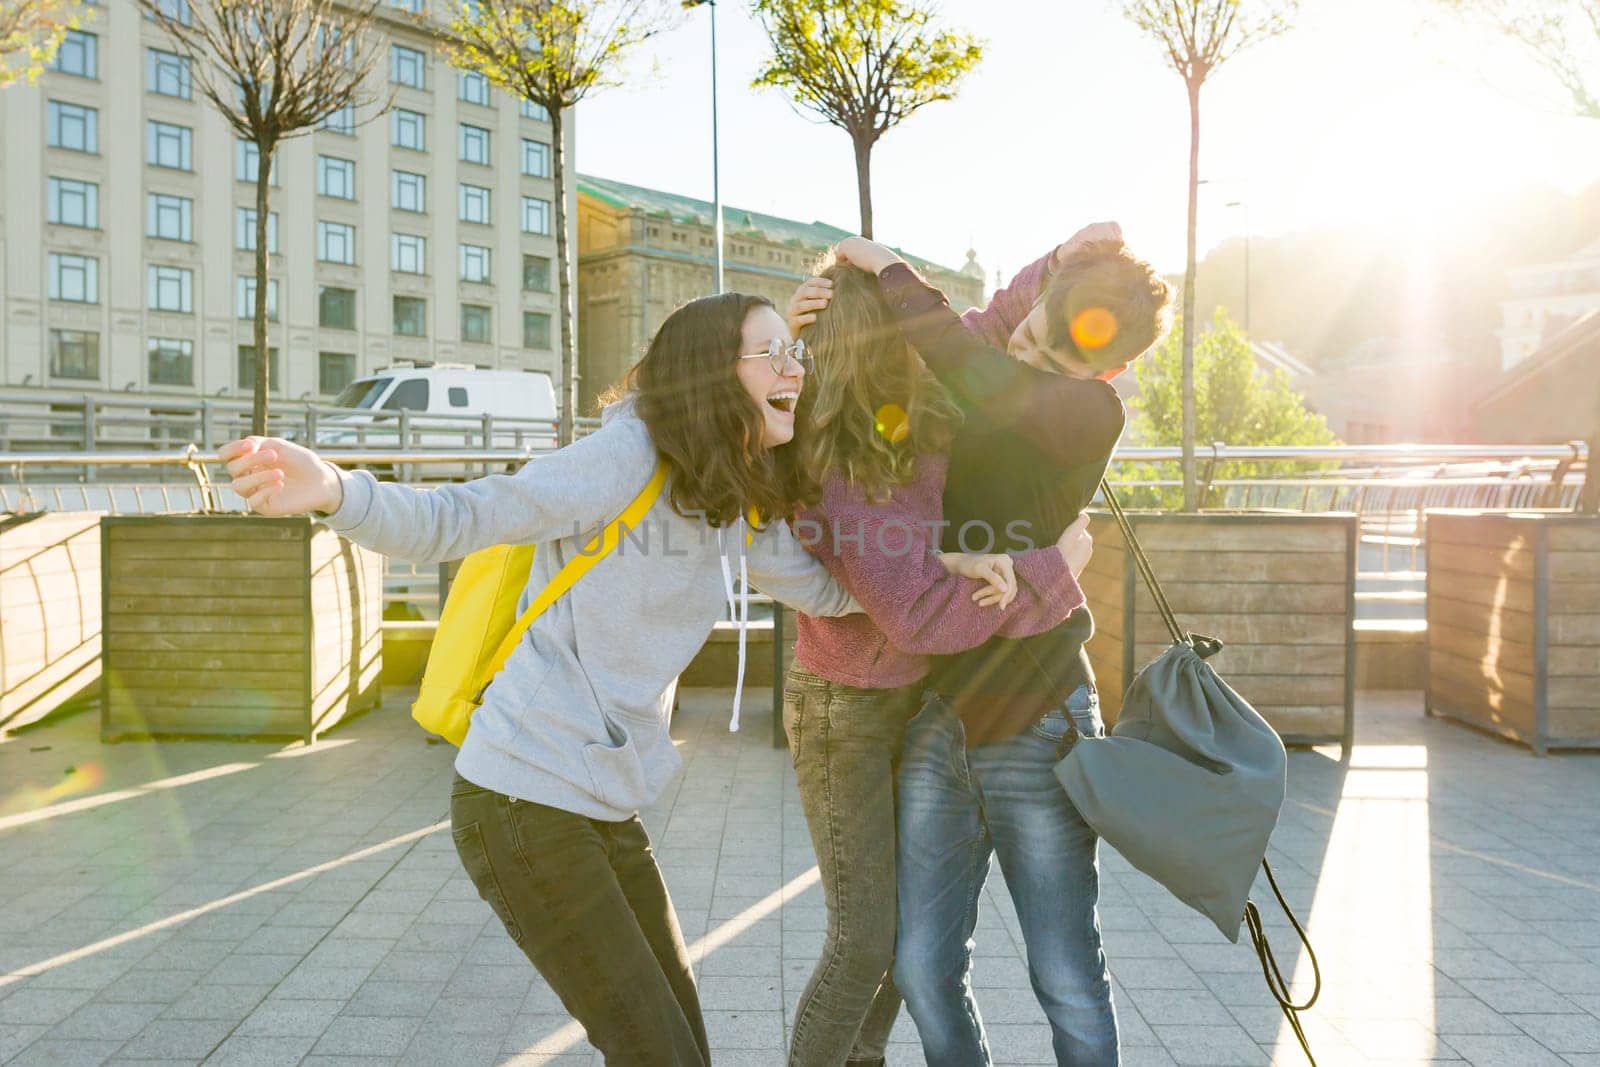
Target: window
336, 308
474, 144
409, 395
530, 110
74, 203
535, 158
244, 230
474, 204
408, 253
168, 74
79, 54
536, 273
535, 329
168, 145
336, 177
457, 396
407, 66
535, 215
171, 361
335, 370
170, 289
247, 368
341, 121
407, 129
244, 297
473, 88
247, 160
169, 217
73, 126
413, 6
475, 323
410, 316
408, 191
74, 278
336, 243
177, 10
474, 263
74, 354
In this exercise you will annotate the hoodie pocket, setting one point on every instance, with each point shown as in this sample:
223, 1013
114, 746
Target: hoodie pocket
616, 773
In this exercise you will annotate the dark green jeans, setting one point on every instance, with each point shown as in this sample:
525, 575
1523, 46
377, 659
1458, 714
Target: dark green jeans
846, 743
585, 900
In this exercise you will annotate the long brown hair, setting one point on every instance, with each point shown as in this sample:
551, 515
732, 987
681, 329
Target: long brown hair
870, 406
703, 421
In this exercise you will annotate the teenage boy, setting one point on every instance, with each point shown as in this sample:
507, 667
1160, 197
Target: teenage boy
976, 777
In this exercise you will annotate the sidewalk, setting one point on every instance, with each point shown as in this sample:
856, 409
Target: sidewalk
263, 904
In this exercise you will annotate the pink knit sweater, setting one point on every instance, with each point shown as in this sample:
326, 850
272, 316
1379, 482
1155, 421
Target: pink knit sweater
886, 555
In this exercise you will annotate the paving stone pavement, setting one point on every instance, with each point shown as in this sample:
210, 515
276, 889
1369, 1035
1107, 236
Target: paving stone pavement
257, 903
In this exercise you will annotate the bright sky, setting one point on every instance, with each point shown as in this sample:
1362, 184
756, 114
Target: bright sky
1377, 111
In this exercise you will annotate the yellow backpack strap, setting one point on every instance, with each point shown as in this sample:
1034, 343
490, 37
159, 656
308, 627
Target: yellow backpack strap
602, 545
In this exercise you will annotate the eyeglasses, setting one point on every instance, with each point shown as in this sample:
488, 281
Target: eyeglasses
778, 355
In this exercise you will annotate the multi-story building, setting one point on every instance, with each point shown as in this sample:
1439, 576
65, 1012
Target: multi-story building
643, 252
127, 226
1546, 299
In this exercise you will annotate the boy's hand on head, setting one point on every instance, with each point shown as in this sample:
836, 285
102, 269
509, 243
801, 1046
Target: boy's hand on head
867, 255
812, 296
1094, 233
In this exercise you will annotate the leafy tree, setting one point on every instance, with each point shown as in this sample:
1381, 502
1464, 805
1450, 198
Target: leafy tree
1197, 37
30, 33
1562, 36
864, 66
275, 69
552, 53
1234, 404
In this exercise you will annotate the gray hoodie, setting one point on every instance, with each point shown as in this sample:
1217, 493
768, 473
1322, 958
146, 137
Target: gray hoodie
578, 717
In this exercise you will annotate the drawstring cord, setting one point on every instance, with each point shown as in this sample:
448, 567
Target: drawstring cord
1276, 983
740, 614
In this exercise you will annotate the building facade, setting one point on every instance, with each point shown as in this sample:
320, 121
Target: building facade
127, 226
1546, 298
643, 252
1551, 397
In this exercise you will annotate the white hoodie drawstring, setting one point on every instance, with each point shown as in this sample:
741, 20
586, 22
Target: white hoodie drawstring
740, 615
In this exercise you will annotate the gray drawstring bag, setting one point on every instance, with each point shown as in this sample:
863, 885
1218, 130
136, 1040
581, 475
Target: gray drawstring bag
1188, 785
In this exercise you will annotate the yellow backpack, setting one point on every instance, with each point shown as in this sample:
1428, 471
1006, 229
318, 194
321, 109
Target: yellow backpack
479, 627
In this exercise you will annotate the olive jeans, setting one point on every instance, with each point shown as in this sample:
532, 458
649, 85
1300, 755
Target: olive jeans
585, 900
846, 743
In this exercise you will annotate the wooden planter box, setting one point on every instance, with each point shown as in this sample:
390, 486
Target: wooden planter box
236, 626
1514, 624
1277, 589
50, 604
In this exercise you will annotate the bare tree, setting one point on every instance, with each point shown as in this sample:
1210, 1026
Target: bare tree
864, 66
1197, 37
553, 53
1562, 36
276, 69
30, 33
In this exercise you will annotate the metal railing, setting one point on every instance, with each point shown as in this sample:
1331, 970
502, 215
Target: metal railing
50, 421
1388, 487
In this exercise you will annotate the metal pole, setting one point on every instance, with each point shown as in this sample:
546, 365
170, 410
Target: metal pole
716, 166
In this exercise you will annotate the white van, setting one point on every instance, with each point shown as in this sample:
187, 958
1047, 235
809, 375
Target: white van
445, 404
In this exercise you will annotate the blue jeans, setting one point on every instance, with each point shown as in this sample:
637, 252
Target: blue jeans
959, 806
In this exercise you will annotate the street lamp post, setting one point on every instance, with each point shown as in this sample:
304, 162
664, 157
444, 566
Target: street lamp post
716, 177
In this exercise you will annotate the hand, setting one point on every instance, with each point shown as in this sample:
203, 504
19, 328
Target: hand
867, 255
1094, 233
813, 295
1076, 545
997, 572
278, 477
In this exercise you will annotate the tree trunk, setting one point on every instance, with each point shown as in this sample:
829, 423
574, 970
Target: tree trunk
569, 362
1190, 493
863, 148
258, 407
